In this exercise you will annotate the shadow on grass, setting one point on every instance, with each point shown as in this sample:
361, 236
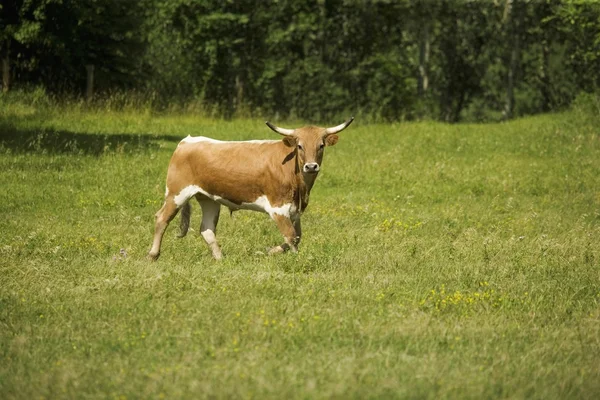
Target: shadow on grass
51, 141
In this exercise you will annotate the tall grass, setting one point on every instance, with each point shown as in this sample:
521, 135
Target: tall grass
438, 261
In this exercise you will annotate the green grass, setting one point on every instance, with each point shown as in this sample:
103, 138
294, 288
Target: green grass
437, 262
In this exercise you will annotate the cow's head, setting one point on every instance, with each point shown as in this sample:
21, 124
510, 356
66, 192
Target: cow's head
309, 143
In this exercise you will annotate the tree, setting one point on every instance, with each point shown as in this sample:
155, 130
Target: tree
21, 25
52, 41
579, 22
465, 31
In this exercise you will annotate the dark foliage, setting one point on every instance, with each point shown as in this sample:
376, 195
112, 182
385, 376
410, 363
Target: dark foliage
316, 60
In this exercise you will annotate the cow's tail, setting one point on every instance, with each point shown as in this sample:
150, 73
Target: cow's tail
184, 225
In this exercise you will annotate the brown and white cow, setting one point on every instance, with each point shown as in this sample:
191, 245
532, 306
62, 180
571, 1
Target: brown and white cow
271, 176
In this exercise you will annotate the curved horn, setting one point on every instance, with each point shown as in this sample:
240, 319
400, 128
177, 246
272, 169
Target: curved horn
339, 128
281, 131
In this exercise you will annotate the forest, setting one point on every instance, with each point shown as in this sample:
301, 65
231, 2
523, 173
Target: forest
381, 60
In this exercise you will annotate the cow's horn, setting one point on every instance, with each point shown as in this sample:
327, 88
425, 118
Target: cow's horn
281, 131
339, 128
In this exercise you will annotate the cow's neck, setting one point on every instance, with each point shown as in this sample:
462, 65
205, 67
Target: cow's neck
309, 180
305, 183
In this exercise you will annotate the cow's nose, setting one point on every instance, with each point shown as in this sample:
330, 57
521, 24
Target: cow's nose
311, 167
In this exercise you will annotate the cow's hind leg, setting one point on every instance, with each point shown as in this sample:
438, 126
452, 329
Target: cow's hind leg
165, 215
208, 229
290, 229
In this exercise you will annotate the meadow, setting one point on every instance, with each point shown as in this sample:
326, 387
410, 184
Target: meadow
437, 261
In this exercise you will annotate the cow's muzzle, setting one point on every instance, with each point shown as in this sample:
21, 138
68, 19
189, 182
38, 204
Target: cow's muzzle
311, 168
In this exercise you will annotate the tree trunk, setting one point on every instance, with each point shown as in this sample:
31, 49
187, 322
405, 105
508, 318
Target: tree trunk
424, 46
6, 67
446, 108
459, 106
545, 77
322, 31
509, 104
513, 26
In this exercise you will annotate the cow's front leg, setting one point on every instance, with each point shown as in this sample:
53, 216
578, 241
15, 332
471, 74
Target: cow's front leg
290, 229
163, 217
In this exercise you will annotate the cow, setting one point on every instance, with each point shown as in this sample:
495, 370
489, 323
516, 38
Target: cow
270, 176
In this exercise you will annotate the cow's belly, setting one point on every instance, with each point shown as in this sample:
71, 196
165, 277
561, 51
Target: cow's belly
261, 204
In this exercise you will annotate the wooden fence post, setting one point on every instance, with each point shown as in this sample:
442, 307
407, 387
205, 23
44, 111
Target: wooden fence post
89, 92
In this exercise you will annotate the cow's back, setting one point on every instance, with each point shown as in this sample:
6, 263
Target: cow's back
237, 171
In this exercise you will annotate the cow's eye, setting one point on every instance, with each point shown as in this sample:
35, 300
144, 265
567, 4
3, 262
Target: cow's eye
300, 147
321, 146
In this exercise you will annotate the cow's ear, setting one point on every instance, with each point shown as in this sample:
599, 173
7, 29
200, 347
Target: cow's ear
331, 140
290, 141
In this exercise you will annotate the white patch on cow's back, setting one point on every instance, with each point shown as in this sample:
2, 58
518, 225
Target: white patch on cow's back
199, 139
261, 204
259, 141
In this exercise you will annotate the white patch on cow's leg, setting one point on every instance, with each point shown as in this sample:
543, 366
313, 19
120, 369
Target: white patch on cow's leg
208, 229
163, 217
288, 230
211, 240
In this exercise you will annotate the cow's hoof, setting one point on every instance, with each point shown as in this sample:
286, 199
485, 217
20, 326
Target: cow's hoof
275, 250
152, 257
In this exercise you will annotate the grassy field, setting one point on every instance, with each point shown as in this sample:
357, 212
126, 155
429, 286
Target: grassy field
437, 261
